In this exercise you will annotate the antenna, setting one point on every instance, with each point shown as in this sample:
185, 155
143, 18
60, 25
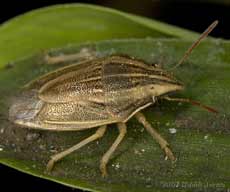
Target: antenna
196, 43
210, 109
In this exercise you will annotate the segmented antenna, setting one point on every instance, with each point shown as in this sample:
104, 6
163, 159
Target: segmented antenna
210, 109
196, 43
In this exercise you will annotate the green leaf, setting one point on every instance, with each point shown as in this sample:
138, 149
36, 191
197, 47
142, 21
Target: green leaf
201, 143
59, 25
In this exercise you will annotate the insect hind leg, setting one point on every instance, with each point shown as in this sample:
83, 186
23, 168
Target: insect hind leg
98, 134
162, 142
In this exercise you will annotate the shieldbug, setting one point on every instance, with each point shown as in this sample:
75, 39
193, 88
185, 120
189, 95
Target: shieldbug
96, 93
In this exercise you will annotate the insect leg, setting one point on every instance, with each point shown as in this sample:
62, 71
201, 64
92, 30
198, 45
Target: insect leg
122, 131
98, 134
162, 142
83, 54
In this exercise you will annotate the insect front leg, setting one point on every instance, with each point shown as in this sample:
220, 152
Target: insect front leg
83, 55
105, 159
162, 142
99, 133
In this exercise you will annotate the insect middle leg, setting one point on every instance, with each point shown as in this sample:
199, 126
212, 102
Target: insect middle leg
98, 134
83, 55
105, 159
162, 142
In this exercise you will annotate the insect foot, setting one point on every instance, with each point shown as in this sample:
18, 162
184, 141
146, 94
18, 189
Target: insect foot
103, 168
50, 164
162, 142
169, 154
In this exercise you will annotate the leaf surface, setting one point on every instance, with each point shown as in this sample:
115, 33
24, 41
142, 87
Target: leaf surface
59, 25
201, 142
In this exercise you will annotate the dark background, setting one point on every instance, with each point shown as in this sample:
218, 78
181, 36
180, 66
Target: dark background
189, 14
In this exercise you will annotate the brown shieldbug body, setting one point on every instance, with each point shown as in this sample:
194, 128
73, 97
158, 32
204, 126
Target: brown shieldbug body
96, 93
